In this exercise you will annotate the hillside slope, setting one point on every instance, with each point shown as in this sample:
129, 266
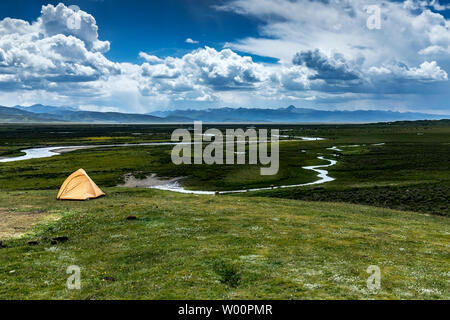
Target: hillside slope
40, 113
12, 115
205, 247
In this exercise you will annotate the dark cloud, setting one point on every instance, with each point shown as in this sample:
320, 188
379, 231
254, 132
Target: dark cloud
326, 68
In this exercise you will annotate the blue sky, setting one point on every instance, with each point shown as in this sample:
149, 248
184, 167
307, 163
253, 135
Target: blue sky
159, 27
143, 56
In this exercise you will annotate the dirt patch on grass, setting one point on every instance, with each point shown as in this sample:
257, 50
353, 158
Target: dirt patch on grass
150, 181
14, 224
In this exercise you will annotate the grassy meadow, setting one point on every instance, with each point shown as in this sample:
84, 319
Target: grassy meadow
203, 247
400, 166
387, 207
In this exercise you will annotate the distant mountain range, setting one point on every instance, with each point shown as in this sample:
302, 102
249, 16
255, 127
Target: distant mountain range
293, 114
41, 113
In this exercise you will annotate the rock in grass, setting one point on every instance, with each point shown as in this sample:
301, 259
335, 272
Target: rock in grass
131, 218
33, 243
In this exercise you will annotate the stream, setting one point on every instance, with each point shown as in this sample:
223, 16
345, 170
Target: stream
322, 175
46, 152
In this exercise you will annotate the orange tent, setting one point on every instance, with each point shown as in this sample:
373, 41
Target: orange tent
78, 186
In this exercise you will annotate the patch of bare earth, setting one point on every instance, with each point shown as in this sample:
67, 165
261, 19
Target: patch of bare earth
14, 224
149, 181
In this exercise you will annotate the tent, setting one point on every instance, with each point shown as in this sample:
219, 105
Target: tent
78, 186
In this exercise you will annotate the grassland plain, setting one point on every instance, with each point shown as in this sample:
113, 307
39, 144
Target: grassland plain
405, 176
211, 247
395, 165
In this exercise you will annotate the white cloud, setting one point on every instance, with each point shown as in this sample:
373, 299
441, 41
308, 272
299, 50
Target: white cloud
189, 40
203, 71
70, 21
331, 39
41, 58
295, 78
150, 58
421, 4
427, 71
326, 52
287, 27
434, 50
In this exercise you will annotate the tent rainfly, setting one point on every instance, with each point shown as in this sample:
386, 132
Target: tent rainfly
78, 186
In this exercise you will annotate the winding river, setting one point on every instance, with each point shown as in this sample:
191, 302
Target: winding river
322, 175
46, 152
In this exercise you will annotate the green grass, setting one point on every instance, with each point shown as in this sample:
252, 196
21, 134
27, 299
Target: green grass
205, 247
264, 245
108, 166
426, 198
410, 171
398, 175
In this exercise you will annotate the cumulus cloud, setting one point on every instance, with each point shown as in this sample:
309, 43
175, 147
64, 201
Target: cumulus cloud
332, 40
333, 67
326, 55
295, 78
70, 21
287, 27
427, 71
41, 58
202, 72
149, 58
